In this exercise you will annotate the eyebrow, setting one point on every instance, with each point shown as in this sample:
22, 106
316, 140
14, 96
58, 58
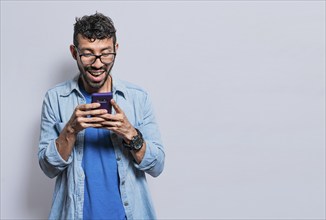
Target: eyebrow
90, 49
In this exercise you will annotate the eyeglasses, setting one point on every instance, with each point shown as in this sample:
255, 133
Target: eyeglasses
89, 58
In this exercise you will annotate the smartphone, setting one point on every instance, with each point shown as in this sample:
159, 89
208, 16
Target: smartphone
104, 99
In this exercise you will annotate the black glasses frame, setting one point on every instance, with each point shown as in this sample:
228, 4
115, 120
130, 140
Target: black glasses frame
96, 57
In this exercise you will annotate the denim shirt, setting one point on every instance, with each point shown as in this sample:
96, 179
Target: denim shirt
58, 106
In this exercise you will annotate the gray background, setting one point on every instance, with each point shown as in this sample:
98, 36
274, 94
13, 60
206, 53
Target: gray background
238, 89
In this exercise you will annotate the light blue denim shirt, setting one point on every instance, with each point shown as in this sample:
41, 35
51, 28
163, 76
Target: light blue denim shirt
68, 197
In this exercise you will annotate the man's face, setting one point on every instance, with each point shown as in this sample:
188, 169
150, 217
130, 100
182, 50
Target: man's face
94, 76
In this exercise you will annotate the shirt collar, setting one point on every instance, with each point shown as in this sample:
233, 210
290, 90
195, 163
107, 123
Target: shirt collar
72, 85
118, 87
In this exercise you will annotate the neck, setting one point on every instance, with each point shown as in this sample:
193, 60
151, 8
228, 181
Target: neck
106, 87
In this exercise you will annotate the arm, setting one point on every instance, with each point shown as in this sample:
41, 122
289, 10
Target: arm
78, 122
150, 158
154, 156
49, 159
57, 139
120, 124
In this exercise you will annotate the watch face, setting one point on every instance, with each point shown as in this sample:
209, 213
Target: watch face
137, 143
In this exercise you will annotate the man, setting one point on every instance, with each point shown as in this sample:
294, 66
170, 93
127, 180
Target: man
99, 159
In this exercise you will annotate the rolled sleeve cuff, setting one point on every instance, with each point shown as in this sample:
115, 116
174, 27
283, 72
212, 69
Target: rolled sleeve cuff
54, 158
152, 162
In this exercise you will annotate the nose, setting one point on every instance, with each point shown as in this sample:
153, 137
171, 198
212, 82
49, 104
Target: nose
97, 64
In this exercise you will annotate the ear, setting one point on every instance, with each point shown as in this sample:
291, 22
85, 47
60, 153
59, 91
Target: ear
73, 51
116, 47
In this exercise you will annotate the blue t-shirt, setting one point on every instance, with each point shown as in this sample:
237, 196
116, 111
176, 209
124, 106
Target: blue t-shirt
102, 198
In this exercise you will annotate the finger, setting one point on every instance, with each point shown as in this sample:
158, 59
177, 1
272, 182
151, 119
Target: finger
110, 117
92, 125
93, 120
84, 109
90, 106
112, 124
116, 106
98, 112
82, 121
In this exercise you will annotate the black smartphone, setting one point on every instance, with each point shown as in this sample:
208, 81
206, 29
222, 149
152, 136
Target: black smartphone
104, 99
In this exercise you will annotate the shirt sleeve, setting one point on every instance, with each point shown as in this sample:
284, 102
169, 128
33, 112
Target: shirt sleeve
50, 160
153, 160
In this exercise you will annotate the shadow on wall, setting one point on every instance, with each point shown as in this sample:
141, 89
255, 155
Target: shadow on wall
39, 188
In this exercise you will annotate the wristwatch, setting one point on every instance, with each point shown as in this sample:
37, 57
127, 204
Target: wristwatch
136, 142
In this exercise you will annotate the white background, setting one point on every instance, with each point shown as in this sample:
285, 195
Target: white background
238, 89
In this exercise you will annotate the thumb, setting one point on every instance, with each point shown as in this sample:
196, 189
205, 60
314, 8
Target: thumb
116, 106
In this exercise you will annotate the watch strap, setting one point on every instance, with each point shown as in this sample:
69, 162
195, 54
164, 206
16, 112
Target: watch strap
136, 142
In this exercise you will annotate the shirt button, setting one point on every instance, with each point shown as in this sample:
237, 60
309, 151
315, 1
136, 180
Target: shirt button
126, 203
123, 182
118, 158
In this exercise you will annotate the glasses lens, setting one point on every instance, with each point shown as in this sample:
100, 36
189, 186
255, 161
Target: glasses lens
87, 59
107, 58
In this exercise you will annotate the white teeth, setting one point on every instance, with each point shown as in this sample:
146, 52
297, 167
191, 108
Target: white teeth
96, 74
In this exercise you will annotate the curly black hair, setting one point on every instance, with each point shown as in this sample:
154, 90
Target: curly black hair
97, 26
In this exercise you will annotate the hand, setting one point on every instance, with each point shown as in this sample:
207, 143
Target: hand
80, 118
118, 123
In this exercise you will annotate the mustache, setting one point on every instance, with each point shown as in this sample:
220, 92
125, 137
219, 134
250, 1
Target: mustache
89, 68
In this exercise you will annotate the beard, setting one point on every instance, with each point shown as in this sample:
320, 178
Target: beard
89, 74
